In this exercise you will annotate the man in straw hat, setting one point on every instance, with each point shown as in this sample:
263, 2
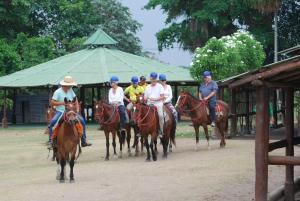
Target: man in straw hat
65, 91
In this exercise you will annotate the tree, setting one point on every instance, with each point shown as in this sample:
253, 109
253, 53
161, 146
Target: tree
227, 56
10, 60
34, 50
192, 23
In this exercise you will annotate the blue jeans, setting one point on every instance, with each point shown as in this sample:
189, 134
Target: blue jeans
212, 110
55, 119
122, 113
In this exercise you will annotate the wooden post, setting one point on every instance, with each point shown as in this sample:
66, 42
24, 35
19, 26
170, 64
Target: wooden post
98, 93
248, 130
14, 116
233, 112
289, 132
175, 93
261, 144
4, 119
93, 97
298, 133
275, 115
82, 99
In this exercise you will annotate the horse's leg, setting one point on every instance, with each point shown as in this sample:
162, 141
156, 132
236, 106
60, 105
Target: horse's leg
62, 169
114, 143
153, 151
155, 146
107, 145
142, 145
148, 151
206, 135
121, 145
197, 136
221, 127
128, 137
170, 146
72, 162
165, 146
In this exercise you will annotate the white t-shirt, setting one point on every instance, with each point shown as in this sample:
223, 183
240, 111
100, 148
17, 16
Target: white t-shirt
117, 97
154, 92
168, 94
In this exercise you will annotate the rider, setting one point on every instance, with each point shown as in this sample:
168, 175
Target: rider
143, 82
168, 95
154, 94
207, 91
65, 91
133, 90
116, 98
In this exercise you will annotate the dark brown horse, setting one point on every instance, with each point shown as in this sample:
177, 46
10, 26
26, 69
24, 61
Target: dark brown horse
108, 117
68, 139
198, 112
147, 120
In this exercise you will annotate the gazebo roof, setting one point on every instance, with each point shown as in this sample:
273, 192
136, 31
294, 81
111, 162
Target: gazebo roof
93, 66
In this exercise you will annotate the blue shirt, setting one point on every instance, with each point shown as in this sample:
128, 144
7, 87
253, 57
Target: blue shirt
205, 90
60, 95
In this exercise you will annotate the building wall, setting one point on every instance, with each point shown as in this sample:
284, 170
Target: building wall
31, 109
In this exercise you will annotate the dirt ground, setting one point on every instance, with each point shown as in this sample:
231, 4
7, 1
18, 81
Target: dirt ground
207, 174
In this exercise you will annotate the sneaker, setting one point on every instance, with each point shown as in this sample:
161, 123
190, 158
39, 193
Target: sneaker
86, 144
213, 124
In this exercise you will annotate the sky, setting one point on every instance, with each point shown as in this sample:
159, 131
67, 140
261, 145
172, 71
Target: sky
153, 21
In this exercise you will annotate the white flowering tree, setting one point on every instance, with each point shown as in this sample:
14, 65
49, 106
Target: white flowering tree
228, 56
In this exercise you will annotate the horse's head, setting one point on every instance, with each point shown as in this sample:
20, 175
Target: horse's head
98, 109
140, 98
182, 100
70, 115
135, 112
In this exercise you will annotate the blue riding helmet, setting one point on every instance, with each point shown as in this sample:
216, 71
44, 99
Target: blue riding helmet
153, 75
162, 77
114, 79
206, 74
134, 79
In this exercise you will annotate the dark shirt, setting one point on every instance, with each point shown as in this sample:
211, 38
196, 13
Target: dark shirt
205, 90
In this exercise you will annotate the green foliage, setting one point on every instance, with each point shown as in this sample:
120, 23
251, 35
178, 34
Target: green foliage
10, 60
227, 56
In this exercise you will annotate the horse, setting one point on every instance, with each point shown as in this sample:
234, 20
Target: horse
198, 112
108, 117
68, 139
147, 120
50, 111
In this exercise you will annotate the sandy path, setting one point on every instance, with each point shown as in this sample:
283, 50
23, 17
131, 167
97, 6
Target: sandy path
215, 174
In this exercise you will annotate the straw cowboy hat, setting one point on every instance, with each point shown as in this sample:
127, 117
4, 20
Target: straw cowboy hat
68, 81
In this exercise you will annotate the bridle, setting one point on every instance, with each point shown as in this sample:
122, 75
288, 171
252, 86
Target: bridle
140, 120
101, 115
185, 96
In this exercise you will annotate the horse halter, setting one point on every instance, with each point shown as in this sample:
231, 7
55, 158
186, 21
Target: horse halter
67, 115
101, 115
182, 103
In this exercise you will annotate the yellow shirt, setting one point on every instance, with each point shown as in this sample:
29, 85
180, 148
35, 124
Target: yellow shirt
144, 86
132, 92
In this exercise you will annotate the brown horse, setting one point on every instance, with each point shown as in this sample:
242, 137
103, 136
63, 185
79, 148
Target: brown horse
50, 111
147, 120
108, 117
198, 112
68, 139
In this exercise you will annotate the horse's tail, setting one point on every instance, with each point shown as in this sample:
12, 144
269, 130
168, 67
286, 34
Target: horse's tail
173, 131
79, 151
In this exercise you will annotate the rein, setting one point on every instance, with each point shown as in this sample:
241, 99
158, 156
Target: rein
141, 120
202, 102
101, 114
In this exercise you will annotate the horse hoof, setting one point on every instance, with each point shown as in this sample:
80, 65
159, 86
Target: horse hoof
72, 180
115, 156
170, 150
147, 160
106, 158
61, 180
154, 158
165, 157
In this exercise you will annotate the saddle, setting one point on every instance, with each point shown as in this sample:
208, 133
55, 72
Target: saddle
78, 126
218, 109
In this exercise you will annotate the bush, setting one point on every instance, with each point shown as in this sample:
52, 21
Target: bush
228, 56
